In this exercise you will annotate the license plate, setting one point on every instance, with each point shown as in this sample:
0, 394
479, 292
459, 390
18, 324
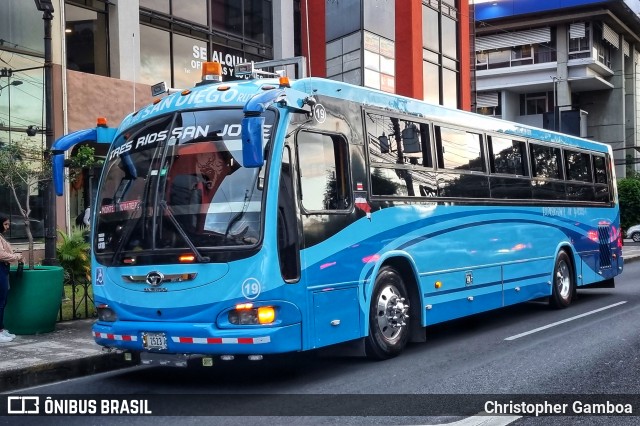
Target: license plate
154, 341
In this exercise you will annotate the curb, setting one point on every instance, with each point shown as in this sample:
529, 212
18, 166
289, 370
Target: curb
20, 378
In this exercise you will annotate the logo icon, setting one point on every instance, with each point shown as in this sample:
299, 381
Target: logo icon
23, 405
99, 276
155, 278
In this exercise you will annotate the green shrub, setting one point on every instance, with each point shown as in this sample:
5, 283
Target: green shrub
73, 255
629, 197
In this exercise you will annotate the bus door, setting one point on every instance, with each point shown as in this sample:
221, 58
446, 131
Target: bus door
328, 272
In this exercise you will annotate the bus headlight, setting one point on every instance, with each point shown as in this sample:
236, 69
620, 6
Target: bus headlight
251, 316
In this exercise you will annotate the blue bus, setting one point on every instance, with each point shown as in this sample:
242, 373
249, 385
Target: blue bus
264, 216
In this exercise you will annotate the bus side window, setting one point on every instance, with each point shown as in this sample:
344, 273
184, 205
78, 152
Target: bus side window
600, 179
324, 172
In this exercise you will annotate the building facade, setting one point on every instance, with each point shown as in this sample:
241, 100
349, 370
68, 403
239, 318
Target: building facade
568, 65
416, 48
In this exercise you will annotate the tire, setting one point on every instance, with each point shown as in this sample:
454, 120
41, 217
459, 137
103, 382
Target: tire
388, 316
563, 282
636, 237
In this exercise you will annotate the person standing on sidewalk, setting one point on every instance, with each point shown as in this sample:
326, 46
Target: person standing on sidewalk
7, 256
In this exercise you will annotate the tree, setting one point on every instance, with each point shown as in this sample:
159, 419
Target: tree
21, 171
629, 198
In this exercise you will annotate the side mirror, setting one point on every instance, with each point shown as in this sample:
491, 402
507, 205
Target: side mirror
58, 172
252, 141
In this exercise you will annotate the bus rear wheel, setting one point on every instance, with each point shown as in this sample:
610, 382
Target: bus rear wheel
388, 316
563, 282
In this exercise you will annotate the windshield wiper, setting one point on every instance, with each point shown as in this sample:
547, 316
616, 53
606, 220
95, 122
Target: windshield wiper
126, 234
199, 256
245, 204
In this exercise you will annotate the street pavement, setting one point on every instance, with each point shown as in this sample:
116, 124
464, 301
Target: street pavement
70, 351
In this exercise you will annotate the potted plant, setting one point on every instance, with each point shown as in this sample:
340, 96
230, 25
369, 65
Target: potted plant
35, 293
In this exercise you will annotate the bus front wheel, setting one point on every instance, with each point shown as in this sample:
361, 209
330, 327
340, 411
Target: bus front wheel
388, 316
563, 282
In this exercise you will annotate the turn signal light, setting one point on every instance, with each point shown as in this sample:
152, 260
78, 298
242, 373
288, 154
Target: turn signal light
246, 314
266, 314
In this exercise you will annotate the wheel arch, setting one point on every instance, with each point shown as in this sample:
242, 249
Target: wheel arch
574, 258
404, 264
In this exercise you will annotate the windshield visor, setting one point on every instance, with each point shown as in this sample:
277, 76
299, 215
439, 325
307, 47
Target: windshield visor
178, 182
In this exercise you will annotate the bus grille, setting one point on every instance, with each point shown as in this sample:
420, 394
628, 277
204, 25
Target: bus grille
605, 246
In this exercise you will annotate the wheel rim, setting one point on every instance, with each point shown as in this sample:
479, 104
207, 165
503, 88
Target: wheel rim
636, 237
391, 314
563, 280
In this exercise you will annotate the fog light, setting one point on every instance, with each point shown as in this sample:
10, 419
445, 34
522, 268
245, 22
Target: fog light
255, 357
106, 314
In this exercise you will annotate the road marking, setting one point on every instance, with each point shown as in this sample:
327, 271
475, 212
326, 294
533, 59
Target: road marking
535, 330
484, 420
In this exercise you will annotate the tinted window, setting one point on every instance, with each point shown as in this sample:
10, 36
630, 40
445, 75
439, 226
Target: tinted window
463, 185
507, 156
578, 166
510, 188
459, 150
395, 140
403, 182
545, 162
324, 179
599, 169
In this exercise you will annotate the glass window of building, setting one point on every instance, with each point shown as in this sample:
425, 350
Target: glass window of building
440, 52
258, 21
251, 18
175, 42
22, 29
536, 103
226, 15
22, 105
158, 5
86, 37
191, 10
188, 55
155, 55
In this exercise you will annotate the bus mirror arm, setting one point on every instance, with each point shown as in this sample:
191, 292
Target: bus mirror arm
58, 149
98, 134
199, 256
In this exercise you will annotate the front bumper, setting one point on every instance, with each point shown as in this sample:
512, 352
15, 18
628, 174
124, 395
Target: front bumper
182, 338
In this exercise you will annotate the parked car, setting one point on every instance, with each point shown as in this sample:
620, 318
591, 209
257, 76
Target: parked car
634, 233
17, 231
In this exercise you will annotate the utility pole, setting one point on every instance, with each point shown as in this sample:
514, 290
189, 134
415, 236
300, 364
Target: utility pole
49, 199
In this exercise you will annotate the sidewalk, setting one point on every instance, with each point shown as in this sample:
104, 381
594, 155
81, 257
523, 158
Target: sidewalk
67, 352
70, 352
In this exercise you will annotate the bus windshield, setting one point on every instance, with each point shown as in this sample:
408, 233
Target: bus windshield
177, 183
